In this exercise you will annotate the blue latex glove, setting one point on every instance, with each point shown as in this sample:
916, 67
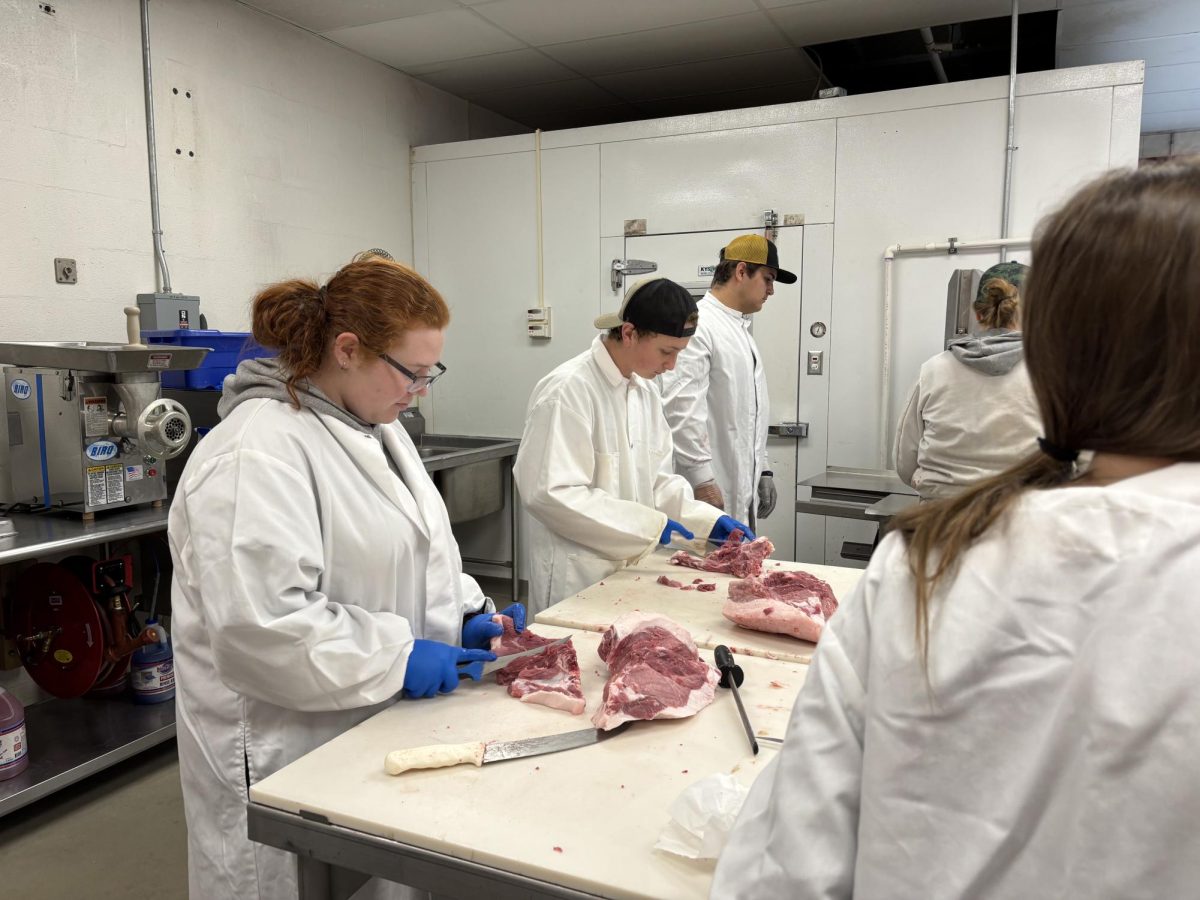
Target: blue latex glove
433, 667
726, 525
674, 527
478, 630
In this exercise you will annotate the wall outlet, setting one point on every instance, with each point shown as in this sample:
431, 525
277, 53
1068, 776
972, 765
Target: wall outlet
65, 271
816, 362
537, 323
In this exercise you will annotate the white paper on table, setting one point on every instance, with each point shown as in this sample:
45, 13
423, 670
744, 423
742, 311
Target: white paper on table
702, 817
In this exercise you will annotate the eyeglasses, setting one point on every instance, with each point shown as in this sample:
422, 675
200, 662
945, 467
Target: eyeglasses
415, 382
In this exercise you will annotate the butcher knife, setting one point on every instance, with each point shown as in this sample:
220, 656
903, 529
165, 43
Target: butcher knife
481, 752
466, 671
731, 677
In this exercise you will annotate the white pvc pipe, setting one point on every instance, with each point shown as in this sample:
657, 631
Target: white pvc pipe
541, 271
1010, 141
889, 256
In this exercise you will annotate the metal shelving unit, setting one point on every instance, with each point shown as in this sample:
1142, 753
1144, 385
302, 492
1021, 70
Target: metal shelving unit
72, 739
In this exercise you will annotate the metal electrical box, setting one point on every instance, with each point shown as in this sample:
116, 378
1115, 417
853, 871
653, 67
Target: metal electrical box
165, 312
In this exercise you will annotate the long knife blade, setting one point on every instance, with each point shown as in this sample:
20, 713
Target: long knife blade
480, 752
502, 661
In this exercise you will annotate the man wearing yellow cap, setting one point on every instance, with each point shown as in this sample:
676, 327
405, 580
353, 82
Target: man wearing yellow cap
716, 397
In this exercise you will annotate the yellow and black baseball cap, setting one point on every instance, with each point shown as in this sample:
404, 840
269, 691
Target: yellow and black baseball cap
754, 248
655, 304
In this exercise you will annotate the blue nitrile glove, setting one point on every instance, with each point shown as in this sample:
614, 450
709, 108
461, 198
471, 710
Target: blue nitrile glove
479, 629
726, 525
674, 527
433, 667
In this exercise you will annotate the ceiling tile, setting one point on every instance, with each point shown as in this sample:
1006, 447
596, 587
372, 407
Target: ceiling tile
424, 39
820, 21
496, 71
669, 46
555, 21
710, 76
1162, 51
1123, 20
321, 15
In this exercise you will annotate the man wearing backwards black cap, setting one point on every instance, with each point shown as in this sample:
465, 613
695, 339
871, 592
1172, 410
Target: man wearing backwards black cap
716, 399
595, 464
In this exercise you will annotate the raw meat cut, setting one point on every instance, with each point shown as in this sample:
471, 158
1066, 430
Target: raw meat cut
732, 558
697, 585
654, 672
549, 679
793, 603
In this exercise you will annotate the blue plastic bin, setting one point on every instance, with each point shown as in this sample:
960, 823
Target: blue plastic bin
228, 349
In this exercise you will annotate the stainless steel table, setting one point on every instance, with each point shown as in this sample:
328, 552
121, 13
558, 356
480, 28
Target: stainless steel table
866, 494
333, 862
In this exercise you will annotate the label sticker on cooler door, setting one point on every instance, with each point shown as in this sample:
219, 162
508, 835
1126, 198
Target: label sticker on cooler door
95, 416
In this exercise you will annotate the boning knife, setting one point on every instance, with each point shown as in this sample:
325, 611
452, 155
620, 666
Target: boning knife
481, 752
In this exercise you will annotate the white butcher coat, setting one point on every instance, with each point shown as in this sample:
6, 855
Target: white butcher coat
594, 471
304, 569
716, 403
1057, 754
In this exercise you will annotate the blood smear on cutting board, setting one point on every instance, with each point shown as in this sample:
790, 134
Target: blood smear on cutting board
558, 849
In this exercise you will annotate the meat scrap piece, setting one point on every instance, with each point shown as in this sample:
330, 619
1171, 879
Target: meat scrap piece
654, 672
793, 603
732, 558
549, 679
698, 584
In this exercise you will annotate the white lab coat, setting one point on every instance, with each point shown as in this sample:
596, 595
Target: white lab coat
594, 471
1056, 756
716, 403
961, 426
304, 569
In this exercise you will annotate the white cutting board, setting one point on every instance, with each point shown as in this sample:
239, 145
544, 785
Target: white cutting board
637, 588
586, 818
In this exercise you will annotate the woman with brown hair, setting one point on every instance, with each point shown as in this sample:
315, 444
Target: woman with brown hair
316, 577
972, 413
1009, 704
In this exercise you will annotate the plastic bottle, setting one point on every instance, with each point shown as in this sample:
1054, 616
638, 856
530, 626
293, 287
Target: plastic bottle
153, 671
14, 749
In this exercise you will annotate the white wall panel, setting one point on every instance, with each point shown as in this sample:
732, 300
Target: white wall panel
723, 179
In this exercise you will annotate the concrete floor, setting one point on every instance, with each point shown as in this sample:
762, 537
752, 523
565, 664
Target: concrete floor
116, 835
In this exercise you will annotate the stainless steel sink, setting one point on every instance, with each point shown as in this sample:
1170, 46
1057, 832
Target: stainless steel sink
468, 471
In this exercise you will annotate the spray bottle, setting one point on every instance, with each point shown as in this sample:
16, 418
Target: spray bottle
153, 671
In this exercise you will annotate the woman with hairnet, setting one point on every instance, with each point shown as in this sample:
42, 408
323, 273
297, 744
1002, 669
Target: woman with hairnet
316, 578
1007, 705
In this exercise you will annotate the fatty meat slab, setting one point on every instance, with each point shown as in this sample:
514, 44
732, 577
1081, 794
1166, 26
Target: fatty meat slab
792, 603
655, 672
734, 557
548, 679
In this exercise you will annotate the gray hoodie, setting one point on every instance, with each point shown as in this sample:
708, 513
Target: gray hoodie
994, 352
266, 377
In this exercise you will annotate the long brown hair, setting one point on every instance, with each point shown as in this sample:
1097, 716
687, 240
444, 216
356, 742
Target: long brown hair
373, 298
1112, 343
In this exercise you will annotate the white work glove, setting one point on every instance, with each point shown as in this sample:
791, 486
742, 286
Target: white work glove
766, 495
711, 494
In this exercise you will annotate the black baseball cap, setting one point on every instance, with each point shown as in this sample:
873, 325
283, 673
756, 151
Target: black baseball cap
754, 248
655, 304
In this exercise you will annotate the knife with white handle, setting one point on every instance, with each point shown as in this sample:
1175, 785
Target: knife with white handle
480, 752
